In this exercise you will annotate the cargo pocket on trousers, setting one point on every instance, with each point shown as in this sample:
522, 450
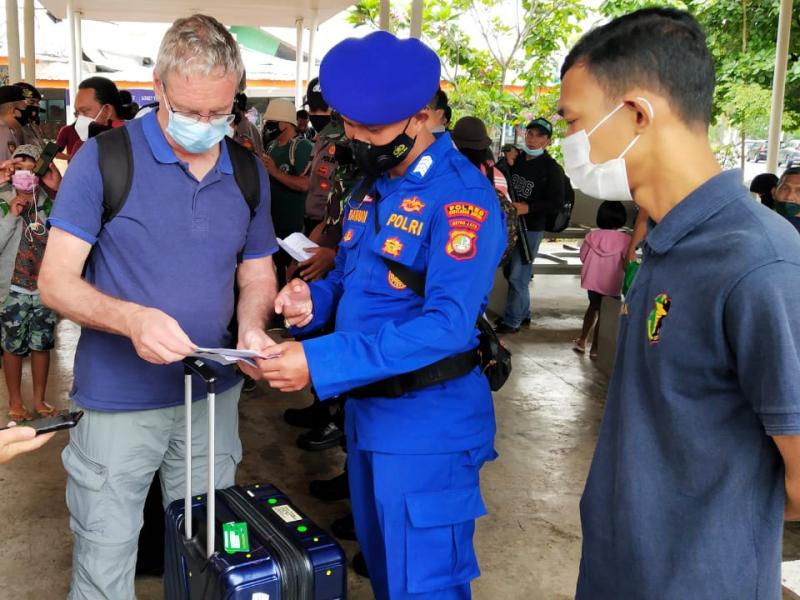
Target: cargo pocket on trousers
439, 547
85, 496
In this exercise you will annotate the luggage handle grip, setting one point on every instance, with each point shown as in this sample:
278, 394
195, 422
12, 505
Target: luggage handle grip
195, 365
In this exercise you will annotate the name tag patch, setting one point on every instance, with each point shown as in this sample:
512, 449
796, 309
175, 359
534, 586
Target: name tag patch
357, 215
465, 209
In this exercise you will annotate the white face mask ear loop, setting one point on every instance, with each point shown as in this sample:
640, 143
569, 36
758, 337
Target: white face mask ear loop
606, 118
636, 139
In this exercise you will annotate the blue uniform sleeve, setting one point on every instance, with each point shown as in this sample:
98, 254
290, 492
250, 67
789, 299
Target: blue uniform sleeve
261, 239
325, 296
762, 324
79, 208
460, 270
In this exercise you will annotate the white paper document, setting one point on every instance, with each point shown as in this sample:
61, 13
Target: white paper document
295, 246
229, 356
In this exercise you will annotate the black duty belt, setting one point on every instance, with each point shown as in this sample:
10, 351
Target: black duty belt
446, 369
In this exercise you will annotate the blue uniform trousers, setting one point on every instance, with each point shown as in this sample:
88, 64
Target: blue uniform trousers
415, 519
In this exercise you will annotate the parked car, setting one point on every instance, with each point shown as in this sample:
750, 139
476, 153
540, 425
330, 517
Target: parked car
789, 152
757, 151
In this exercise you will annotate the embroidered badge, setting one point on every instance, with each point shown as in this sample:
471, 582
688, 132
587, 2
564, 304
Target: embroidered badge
348, 235
394, 281
462, 244
423, 166
367, 199
655, 321
465, 209
400, 150
406, 224
393, 247
412, 205
332, 150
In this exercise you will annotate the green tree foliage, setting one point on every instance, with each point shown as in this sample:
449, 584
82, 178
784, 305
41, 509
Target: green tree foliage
511, 41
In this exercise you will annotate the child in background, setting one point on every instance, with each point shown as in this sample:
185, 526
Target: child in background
603, 257
28, 327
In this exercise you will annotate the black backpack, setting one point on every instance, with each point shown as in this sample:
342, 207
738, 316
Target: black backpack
115, 158
558, 221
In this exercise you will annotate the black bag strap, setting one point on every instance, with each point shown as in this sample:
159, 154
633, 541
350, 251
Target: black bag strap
245, 171
115, 158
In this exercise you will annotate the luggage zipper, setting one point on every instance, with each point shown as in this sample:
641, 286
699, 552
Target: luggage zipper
297, 567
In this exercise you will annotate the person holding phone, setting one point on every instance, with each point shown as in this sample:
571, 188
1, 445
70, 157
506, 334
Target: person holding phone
19, 440
28, 327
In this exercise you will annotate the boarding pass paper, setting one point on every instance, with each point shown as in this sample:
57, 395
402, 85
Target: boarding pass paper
295, 246
229, 356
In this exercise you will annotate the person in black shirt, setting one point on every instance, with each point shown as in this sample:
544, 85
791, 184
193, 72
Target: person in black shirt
538, 184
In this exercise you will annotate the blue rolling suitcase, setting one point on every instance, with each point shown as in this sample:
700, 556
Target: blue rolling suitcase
289, 557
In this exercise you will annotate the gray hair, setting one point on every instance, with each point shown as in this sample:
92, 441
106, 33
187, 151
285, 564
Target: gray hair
199, 45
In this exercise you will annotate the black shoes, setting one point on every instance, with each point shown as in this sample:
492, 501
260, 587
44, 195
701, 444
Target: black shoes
360, 565
326, 437
330, 490
309, 417
503, 328
249, 384
344, 528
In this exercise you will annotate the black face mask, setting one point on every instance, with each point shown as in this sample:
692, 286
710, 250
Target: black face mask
25, 116
377, 160
271, 131
319, 122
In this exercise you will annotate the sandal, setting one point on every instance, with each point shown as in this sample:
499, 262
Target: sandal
19, 415
48, 411
578, 347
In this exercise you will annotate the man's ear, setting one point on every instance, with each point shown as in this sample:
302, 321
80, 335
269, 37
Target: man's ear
644, 111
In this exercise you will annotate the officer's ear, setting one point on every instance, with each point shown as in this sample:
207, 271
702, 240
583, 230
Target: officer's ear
419, 120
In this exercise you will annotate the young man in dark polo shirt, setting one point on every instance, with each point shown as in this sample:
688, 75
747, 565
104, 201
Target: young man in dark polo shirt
538, 184
698, 458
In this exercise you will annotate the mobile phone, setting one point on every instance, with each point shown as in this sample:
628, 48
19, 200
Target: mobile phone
57, 422
48, 154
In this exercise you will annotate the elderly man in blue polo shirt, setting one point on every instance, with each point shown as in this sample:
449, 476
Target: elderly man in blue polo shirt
159, 282
698, 457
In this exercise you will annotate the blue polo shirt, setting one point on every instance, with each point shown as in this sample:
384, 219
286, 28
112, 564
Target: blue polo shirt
685, 495
173, 247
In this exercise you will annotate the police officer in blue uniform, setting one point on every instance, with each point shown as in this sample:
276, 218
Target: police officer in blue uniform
420, 420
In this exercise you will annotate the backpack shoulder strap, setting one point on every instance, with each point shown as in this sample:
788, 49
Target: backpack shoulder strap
115, 158
245, 171
293, 152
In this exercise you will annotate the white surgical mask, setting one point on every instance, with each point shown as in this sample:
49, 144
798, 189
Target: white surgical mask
82, 125
604, 181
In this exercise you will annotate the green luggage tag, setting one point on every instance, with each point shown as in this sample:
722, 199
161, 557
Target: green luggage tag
236, 538
630, 274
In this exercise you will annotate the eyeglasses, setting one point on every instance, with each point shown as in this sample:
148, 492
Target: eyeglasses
190, 117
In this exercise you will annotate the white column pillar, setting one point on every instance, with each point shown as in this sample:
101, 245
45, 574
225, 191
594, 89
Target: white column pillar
73, 82
78, 47
12, 35
30, 42
298, 84
416, 18
312, 37
386, 15
779, 85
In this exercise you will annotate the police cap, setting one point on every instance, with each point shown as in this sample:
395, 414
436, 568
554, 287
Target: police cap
379, 79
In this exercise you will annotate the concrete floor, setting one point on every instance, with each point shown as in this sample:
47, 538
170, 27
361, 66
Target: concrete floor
528, 545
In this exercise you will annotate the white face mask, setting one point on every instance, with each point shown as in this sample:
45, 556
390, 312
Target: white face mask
82, 125
604, 181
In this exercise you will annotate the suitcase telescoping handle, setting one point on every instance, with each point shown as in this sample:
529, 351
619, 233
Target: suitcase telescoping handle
194, 365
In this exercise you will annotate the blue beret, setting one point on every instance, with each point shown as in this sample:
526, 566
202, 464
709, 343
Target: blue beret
379, 79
